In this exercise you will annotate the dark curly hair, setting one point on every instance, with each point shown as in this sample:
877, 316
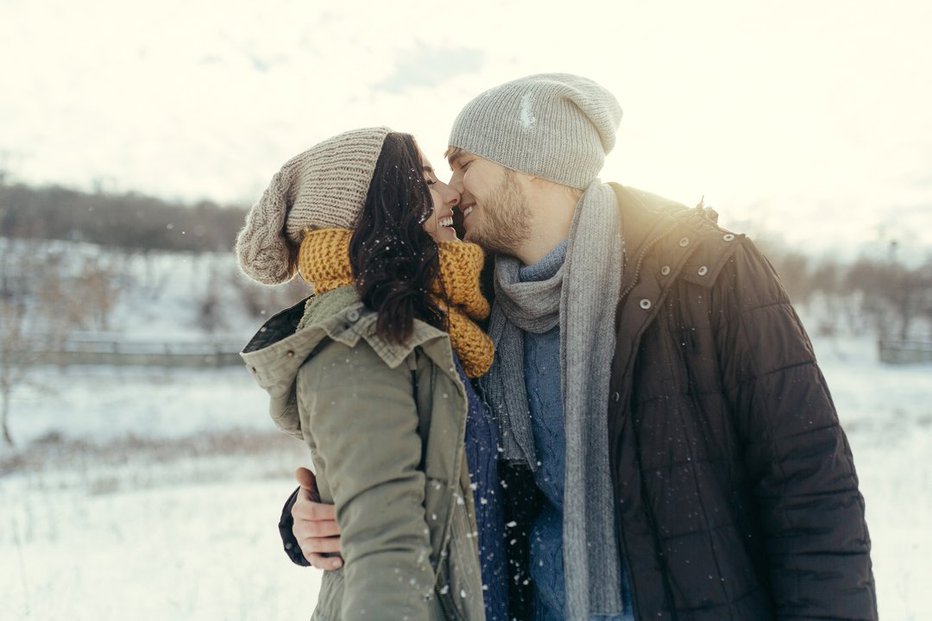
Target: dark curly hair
395, 262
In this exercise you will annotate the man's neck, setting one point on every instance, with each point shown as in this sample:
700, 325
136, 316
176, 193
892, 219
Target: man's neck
553, 216
538, 248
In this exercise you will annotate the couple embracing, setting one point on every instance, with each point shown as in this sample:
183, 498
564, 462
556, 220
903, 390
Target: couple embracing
617, 416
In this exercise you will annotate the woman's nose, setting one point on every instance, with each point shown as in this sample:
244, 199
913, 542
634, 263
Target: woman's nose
450, 196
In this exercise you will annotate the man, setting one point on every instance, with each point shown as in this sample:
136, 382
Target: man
652, 379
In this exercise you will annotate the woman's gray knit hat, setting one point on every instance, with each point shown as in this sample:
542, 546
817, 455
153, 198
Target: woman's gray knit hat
324, 187
558, 126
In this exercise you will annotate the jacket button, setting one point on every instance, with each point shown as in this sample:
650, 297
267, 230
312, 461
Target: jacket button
352, 314
665, 270
616, 397
645, 304
703, 270
684, 242
728, 237
290, 353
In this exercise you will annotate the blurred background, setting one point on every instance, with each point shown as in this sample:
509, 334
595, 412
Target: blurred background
139, 472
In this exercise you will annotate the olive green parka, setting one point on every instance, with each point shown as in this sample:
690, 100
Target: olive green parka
385, 424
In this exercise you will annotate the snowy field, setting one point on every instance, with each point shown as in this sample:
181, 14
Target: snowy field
155, 495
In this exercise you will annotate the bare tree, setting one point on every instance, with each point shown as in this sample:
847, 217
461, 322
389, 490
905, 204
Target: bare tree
98, 287
260, 301
894, 295
210, 310
15, 356
36, 315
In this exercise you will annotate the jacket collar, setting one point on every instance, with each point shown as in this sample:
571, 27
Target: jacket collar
645, 218
285, 341
357, 322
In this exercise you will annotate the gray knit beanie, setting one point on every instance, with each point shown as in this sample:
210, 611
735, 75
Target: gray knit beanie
324, 187
558, 126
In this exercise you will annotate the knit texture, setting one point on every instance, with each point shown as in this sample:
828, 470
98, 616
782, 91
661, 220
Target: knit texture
581, 299
557, 126
545, 401
481, 443
460, 297
324, 187
323, 261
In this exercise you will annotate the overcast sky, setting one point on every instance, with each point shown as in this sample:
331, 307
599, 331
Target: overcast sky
808, 119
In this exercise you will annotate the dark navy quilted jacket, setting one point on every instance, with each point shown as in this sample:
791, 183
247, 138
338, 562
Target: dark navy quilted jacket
735, 484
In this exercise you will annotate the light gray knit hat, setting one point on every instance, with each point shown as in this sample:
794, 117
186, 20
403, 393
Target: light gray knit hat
324, 187
558, 126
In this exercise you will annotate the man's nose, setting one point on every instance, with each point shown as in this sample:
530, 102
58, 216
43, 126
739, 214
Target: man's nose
456, 182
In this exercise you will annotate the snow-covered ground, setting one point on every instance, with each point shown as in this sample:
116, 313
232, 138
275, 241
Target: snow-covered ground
155, 494
148, 498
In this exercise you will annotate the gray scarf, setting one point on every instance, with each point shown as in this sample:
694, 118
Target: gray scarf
581, 298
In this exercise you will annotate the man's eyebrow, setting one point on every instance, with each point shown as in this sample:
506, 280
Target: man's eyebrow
454, 154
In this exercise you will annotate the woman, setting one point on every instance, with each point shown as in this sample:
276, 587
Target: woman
373, 373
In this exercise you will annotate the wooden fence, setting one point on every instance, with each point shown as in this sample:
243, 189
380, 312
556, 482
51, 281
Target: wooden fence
904, 352
141, 353
226, 353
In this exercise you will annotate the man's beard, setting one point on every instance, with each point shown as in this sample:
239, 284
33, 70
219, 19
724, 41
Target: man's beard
504, 220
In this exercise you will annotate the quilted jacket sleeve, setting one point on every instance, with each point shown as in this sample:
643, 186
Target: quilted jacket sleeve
360, 419
797, 457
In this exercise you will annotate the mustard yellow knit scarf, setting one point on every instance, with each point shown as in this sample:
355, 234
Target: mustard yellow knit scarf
323, 261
